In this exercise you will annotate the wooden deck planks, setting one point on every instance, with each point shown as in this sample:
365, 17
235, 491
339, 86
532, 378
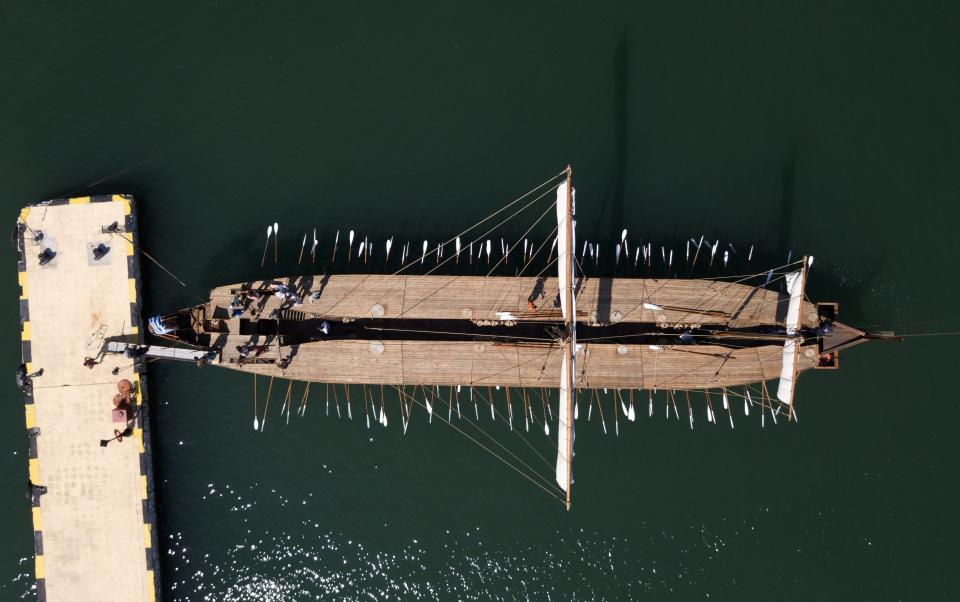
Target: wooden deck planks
521, 365
600, 300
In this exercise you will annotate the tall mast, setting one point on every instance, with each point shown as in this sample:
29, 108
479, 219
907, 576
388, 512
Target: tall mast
571, 324
569, 343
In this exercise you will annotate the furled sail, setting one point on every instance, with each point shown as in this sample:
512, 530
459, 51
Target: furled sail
564, 430
565, 242
564, 249
791, 348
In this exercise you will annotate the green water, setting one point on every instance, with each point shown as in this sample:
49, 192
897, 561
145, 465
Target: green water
829, 130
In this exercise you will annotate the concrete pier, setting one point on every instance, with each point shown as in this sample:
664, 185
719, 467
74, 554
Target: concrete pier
94, 525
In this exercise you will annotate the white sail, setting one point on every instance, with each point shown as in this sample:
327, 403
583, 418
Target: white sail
791, 348
795, 290
565, 246
785, 387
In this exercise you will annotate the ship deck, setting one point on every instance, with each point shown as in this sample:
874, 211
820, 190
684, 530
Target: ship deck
480, 360
479, 363
599, 300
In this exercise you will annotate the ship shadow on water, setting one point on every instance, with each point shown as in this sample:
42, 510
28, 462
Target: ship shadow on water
827, 278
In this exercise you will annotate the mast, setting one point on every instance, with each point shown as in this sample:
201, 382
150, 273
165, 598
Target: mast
565, 231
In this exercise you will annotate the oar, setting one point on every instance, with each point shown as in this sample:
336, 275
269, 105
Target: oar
389, 246
256, 419
546, 423
313, 247
366, 407
302, 246
616, 420
423, 254
265, 243
336, 240
349, 246
429, 405
266, 407
697, 252
336, 401
276, 235
603, 421
726, 406
457, 247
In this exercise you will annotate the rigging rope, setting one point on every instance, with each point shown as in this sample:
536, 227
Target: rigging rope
488, 450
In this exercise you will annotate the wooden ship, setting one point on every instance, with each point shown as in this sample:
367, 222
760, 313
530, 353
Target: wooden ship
560, 330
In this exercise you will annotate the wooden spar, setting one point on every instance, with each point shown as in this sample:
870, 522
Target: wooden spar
570, 341
266, 407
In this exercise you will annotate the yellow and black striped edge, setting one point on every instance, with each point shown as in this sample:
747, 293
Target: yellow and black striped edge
142, 428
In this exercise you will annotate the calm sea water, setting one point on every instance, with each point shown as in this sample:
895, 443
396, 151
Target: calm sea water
829, 130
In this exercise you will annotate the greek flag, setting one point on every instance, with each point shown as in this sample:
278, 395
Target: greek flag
157, 327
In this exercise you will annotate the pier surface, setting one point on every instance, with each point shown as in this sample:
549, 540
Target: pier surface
94, 528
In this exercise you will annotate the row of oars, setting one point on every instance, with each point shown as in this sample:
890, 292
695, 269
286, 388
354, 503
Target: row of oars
639, 255
274, 231
622, 402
